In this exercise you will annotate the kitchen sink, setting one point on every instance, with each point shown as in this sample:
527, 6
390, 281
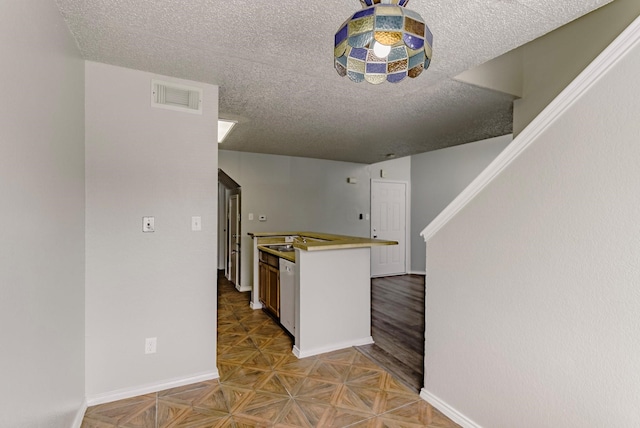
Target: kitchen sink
284, 248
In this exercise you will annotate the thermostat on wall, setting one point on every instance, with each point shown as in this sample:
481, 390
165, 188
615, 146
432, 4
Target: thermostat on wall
262, 217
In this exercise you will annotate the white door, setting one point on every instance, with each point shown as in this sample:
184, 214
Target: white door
234, 240
388, 221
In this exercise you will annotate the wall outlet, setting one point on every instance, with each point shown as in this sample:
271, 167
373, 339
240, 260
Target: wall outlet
150, 344
148, 224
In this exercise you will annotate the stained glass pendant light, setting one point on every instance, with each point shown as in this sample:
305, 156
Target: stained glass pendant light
383, 42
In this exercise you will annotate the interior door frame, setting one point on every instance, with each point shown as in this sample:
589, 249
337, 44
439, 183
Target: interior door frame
407, 218
231, 239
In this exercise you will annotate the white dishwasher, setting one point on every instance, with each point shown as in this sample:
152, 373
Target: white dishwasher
287, 295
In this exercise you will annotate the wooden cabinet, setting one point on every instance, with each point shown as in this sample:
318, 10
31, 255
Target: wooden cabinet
269, 282
263, 270
273, 291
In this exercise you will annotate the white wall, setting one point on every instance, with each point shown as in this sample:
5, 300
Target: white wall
297, 194
395, 169
532, 292
144, 161
551, 62
312, 194
437, 177
42, 218
332, 300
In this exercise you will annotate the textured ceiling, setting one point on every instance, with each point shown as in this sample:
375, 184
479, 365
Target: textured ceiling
278, 81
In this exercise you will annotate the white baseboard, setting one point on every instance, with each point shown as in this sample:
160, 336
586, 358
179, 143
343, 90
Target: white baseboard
447, 410
384, 275
254, 306
243, 288
121, 394
332, 347
77, 421
409, 272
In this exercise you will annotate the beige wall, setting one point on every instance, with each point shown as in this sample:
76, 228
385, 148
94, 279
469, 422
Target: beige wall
437, 177
532, 287
551, 62
42, 218
144, 161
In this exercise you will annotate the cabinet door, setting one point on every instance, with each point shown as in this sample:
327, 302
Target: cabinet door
273, 295
263, 282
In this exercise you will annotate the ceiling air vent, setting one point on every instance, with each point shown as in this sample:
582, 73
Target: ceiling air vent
173, 96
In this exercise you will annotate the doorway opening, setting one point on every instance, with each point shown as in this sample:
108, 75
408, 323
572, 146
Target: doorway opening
397, 298
229, 229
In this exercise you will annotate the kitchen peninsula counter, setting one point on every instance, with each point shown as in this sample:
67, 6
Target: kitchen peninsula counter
332, 296
314, 241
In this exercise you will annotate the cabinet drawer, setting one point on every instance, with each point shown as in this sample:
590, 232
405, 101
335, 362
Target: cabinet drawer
273, 261
269, 259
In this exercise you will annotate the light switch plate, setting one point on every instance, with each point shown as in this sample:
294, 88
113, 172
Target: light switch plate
150, 345
148, 224
196, 223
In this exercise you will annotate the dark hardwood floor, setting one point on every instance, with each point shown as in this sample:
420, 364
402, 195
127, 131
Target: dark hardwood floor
397, 327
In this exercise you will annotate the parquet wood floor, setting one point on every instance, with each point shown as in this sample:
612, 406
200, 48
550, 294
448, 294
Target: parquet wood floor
263, 384
397, 327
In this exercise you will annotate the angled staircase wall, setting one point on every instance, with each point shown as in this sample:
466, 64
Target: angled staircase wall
533, 271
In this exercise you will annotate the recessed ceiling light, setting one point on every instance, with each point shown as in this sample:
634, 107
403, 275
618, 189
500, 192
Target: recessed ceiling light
224, 127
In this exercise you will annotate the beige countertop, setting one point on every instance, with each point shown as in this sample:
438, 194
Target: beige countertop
312, 241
